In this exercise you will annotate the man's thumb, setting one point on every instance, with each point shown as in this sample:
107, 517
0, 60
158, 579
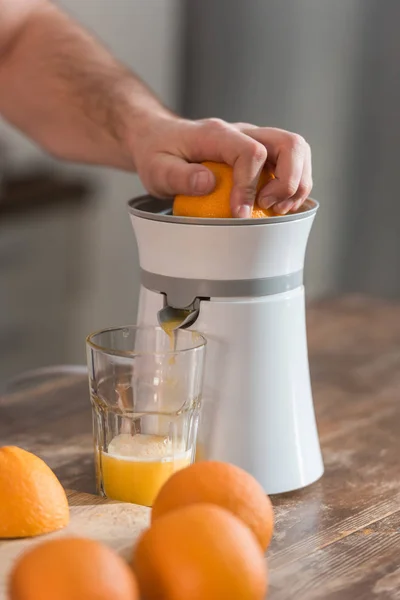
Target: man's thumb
173, 175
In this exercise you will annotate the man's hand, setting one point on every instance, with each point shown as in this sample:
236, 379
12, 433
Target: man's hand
166, 151
61, 87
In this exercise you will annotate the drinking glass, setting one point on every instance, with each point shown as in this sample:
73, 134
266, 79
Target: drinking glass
145, 389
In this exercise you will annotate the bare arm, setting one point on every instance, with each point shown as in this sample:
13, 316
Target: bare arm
64, 89
61, 87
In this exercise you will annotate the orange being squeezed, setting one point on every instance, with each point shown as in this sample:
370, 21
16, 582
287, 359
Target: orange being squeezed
216, 205
136, 466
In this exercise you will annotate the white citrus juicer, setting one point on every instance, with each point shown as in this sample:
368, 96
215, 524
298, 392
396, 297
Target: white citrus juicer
241, 281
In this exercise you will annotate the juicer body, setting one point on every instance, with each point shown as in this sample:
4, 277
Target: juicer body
257, 402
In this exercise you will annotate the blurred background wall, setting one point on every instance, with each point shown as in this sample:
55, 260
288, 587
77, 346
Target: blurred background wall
328, 70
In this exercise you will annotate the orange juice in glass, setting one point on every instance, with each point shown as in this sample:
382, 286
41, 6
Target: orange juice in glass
135, 467
146, 402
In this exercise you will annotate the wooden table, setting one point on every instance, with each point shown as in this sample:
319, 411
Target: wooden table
339, 539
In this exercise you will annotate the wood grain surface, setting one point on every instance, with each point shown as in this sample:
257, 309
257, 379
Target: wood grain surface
115, 523
339, 539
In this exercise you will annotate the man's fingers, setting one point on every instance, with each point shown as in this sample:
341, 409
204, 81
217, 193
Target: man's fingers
173, 175
303, 190
292, 157
246, 172
288, 173
306, 182
218, 141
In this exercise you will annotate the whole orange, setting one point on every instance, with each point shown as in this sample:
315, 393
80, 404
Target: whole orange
32, 500
200, 552
72, 569
217, 203
222, 484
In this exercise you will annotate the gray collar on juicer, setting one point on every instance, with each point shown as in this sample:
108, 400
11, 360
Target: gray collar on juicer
182, 292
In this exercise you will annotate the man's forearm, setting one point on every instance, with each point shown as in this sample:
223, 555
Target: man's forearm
64, 89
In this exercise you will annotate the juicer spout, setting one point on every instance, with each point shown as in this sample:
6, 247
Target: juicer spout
171, 318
